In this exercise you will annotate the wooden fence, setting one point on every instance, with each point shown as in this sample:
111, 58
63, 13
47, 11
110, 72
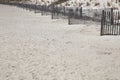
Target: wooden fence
59, 12
109, 18
80, 15
110, 22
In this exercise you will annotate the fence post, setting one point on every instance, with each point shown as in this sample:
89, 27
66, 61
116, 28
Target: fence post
64, 10
35, 8
52, 11
76, 12
112, 16
42, 10
102, 22
57, 11
69, 16
81, 12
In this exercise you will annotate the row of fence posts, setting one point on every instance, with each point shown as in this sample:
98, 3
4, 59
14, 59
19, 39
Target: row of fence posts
77, 14
58, 12
109, 25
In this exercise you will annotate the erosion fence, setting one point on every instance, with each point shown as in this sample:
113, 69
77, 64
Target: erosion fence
110, 22
80, 15
43, 9
109, 18
59, 12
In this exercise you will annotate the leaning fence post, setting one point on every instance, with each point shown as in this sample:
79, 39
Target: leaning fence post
102, 22
112, 16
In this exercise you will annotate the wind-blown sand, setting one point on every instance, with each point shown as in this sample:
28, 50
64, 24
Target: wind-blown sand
34, 47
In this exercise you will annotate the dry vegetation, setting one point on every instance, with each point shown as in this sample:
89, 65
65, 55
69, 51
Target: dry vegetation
12, 0
59, 2
97, 4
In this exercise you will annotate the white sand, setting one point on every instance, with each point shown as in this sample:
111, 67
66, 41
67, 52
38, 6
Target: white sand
34, 47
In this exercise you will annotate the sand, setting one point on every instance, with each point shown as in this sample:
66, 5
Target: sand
34, 47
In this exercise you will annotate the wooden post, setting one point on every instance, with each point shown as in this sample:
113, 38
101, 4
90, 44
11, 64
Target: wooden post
36, 6
52, 11
102, 22
69, 15
64, 11
112, 16
42, 10
81, 12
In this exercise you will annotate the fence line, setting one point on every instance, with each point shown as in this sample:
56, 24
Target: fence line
109, 18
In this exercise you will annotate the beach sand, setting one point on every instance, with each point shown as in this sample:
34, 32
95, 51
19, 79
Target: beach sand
34, 47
